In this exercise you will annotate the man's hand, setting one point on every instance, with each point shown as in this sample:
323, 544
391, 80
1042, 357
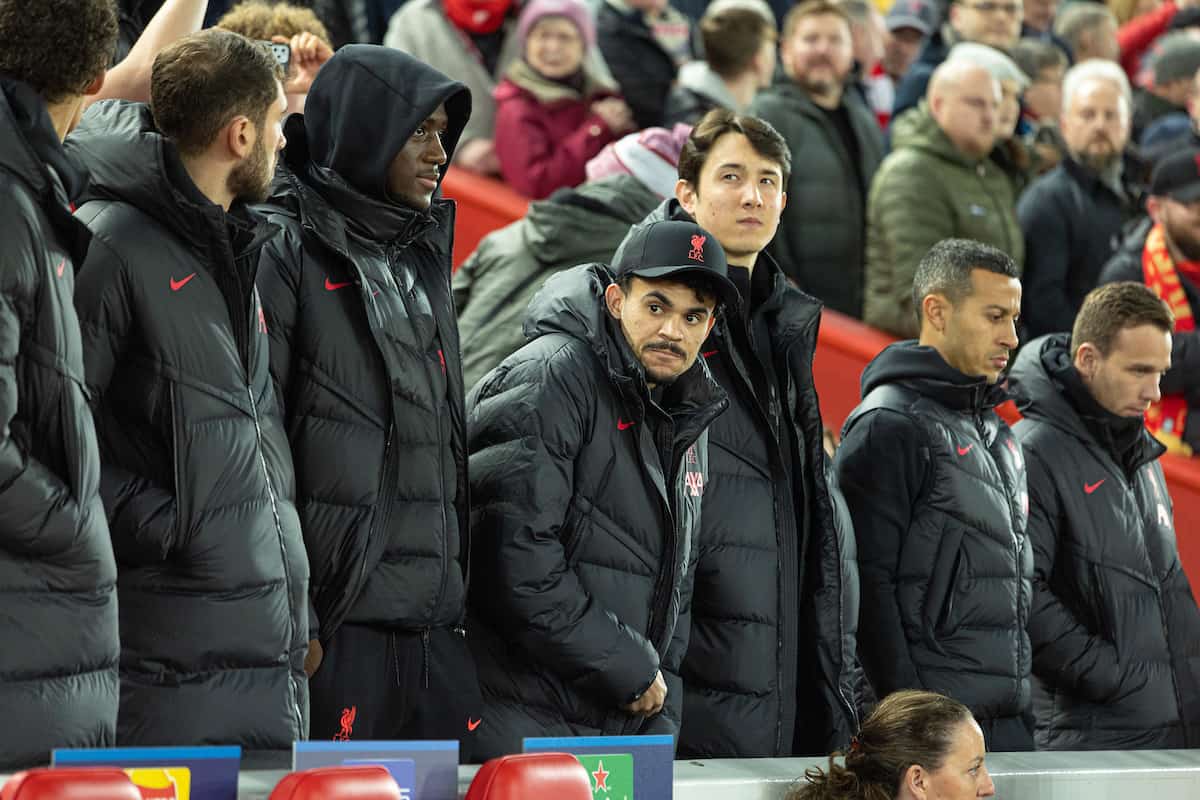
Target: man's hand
651, 701
312, 660
479, 156
309, 52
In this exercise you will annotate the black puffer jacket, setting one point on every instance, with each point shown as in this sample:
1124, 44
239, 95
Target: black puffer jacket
1184, 375
777, 571
587, 507
1115, 628
935, 482
197, 476
58, 629
364, 349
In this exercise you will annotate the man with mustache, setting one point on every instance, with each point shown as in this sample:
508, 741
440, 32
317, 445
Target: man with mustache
1073, 215
831, 131
935, 482
365, 352
1115, 628
1164, 253
589, 462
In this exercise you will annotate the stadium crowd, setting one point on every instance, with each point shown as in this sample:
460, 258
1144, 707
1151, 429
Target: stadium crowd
270, 469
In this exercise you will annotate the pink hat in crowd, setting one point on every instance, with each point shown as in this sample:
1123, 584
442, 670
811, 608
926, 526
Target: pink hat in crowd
651, 156
573, 10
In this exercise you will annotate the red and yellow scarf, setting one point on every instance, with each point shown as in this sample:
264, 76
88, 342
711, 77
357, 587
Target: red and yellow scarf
1166, 418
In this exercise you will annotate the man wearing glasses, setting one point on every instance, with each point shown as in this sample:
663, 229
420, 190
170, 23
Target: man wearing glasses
996, 23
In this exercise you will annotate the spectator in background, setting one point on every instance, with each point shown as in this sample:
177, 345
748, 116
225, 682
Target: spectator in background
1160, 142
996, 23
644, 43
552, 113
1073, 216
364, 353
836, 145
298, 28
197, 472
909, 23
935, 483
1038, 22
58, 630
1013, 152
1176, 58
494, 285
868, 35
1115, 629
913, 745
1164, 253
589, 462
474, 42
739, 60
1090, 31
1044, 65
937, 183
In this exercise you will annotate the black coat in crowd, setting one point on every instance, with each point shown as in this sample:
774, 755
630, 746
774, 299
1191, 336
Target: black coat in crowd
1072, 221
364, 350
58, 626
641, 67
197, 474
1184, 375
586, 504
1115, 628
771, 667
936, 485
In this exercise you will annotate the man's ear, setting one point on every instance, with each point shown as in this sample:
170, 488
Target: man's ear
685, 193
614, 298
1087, 359
1154, 207
935, 310
240, 137
96, 85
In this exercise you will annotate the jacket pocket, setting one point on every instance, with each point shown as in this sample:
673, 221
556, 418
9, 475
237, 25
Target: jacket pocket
574, 529
178, 486
943, 585
1103, 619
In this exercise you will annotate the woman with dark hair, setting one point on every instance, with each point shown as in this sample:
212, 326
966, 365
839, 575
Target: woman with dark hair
914, 746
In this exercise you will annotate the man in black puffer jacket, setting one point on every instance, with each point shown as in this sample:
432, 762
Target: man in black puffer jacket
771, 667
589, 460
935, 482
1115, 628
365, 354
58, 627
197, 475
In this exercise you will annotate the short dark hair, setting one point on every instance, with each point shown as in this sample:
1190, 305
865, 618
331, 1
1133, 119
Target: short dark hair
813, 8
258, 19
58, 47
704, 288
765, 140
732, 38
202, 81
946, 269
908, 727
1112, 308
1033, 57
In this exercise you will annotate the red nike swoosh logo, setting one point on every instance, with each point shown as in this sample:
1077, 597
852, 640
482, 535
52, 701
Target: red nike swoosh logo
472, 724
62, 265
622, 425
1091, 487
177, 285
710, 353
333, 287
962, 451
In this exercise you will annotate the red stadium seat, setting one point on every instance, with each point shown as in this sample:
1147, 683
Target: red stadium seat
338, 783
75, 783
484, 205
532, 776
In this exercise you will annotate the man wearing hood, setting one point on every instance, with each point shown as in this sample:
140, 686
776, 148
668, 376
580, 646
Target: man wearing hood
589, 459
771, 668
1115, 628
365, 354
58, 630
935, 482
197, 475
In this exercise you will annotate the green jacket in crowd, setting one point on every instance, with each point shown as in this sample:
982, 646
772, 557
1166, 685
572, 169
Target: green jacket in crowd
925, 191
822, 235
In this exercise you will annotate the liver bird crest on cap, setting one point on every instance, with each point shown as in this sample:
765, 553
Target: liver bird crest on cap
697, 251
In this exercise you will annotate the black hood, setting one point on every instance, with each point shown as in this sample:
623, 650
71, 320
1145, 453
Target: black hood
33, 143
1048, 388
923, 369
364, 105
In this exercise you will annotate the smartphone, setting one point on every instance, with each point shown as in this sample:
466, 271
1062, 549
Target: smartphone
282, 53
